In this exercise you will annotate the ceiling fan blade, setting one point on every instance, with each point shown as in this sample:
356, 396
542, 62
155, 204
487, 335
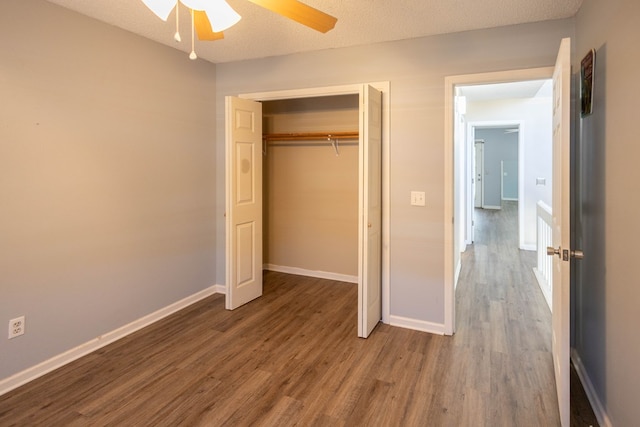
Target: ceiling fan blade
203, 27
300, 12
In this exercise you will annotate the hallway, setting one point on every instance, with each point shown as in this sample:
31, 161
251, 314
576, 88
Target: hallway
504, 322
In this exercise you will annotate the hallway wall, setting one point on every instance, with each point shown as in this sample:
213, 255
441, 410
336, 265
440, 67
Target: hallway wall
606, 294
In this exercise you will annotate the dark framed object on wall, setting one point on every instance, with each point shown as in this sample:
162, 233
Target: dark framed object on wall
587, 67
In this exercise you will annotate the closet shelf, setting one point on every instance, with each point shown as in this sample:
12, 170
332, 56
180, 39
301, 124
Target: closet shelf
310, 136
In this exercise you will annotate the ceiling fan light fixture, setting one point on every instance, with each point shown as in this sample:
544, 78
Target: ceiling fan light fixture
162, 8
220, 14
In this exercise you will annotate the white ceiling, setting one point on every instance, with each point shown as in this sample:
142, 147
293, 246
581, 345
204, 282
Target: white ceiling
514, 90
262, 33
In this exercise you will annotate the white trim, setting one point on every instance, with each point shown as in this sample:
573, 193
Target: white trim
597, 406
491, 207
312, 273
529, 247
509, 199
542, 284
417, 325
308, 92
353, 89
457, 275
450, 83
30, 374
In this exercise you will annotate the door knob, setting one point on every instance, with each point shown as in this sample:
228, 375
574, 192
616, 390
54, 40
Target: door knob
565, 254
553, 251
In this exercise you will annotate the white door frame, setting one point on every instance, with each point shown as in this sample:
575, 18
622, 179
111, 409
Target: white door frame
478, 184
450, 222
353, 89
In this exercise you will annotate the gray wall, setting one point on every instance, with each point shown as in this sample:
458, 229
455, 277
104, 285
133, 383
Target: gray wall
106, 179
607, 294
499, 147
416, 70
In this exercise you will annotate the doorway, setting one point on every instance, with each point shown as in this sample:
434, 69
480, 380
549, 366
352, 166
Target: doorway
459, 180
561, 76
496, 165
373, 258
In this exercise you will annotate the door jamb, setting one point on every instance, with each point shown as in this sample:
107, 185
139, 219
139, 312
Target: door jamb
352, 90
449, 221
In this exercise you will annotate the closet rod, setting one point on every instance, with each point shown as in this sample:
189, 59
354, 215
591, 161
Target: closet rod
304, 136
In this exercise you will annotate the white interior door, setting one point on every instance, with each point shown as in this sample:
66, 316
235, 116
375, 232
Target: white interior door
244, 201
479, 172
370, 223
561, 226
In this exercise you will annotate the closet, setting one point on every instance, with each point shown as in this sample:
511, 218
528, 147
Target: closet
303, 194
310, 186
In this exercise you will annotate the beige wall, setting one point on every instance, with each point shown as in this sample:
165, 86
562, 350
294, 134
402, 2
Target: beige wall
311, 195
106, 179
607, 292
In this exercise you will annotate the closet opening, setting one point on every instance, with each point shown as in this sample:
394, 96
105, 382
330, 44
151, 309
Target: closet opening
292, 158
310, 186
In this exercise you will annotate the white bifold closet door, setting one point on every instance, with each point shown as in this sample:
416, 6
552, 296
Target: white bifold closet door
370, 244
244, 201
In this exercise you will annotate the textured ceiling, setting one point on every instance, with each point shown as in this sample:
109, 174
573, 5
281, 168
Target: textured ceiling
262, 33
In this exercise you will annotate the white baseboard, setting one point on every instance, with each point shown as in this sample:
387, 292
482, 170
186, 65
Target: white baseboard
417, 325
596, 404
529, 247
509, 199
492, 207
219, 289
312, 273
457, 274
543, 286
30, 374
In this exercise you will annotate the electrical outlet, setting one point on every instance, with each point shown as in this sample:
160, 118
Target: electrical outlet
16, 327
417, 198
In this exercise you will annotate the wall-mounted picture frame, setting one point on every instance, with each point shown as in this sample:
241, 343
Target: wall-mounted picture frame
587, 68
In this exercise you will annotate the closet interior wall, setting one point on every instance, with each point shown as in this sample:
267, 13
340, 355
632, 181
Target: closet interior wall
310, 215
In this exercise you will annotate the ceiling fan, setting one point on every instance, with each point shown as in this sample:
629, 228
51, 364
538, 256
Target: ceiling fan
211, 17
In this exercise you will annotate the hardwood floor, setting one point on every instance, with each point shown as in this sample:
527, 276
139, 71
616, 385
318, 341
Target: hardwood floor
292, 357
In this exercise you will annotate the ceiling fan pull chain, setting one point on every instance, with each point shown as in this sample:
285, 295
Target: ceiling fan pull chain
193, 55
176, 36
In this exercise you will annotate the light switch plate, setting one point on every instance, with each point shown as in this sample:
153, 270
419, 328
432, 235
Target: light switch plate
417, 198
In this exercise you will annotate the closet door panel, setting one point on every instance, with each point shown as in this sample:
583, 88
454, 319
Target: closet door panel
244, 201
370, 259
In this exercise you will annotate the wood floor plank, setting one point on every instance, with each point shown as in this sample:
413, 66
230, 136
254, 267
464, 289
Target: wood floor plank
292, 357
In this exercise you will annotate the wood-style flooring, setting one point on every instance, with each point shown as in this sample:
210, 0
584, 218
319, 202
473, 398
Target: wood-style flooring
292, 357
